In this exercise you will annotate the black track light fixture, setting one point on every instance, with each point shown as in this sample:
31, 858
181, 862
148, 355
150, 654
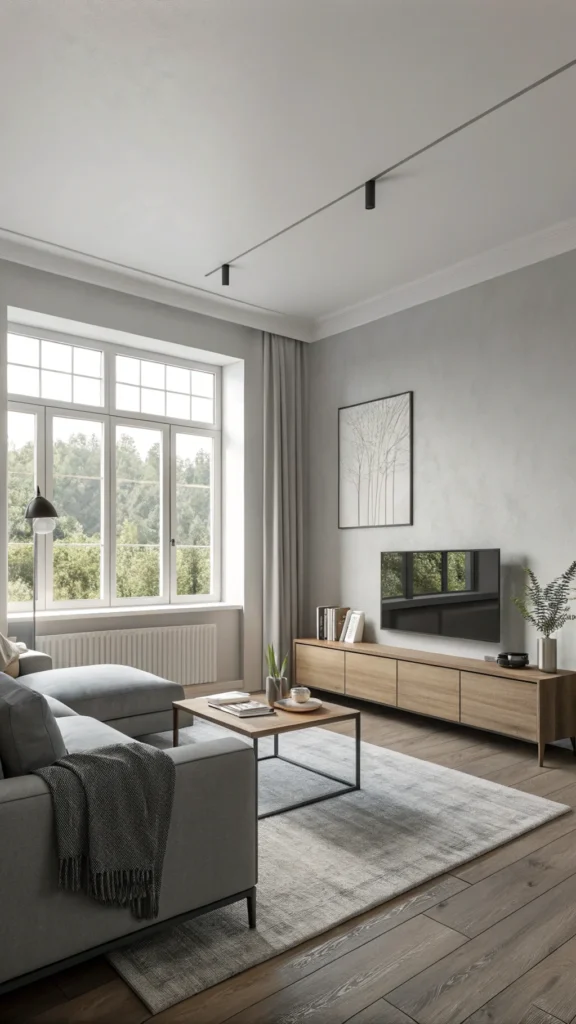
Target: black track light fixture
370, 194
225, 274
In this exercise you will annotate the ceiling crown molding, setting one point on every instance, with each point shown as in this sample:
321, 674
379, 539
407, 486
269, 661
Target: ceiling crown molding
55, 259
504, 259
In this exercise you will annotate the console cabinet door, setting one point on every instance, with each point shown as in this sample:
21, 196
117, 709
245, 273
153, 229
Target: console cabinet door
429, 690
499, 704
321, 668
371, 677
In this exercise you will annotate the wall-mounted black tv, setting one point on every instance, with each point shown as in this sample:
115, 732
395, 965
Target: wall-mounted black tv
444, 593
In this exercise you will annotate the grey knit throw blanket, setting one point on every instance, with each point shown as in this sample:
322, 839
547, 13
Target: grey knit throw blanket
112, 809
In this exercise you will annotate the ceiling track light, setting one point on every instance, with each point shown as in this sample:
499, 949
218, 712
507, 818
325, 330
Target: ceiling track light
225, 273
370, 194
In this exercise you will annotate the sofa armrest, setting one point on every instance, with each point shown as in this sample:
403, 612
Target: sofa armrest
211, 855
33, 661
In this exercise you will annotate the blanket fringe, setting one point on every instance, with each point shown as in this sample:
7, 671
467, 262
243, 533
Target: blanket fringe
70, 873
135, 888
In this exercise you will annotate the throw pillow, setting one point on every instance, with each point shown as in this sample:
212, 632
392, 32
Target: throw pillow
29, 735
9, 656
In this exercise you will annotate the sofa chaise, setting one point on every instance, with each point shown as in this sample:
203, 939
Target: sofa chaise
211, 856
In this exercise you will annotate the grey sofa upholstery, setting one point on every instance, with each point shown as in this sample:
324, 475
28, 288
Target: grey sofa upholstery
211, 856
128, 699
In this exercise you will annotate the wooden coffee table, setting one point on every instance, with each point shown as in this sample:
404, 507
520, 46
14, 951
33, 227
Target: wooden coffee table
256, 729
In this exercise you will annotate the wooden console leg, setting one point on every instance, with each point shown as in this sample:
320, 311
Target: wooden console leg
251, 902
174, 727
541, 752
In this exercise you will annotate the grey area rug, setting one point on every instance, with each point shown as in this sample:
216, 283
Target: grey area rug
411, 821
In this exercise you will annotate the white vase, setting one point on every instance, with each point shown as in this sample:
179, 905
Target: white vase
546, 654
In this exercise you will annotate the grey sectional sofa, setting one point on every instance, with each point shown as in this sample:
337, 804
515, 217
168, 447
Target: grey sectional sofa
211, 857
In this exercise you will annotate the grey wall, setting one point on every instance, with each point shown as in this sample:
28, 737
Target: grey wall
493, 370
60, 296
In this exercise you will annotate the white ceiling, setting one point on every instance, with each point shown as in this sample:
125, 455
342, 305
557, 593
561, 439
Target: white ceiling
168, 137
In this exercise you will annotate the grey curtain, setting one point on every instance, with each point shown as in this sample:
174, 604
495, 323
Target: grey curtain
284, 406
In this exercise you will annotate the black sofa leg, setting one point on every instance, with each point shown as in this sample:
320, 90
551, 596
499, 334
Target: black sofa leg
251, 902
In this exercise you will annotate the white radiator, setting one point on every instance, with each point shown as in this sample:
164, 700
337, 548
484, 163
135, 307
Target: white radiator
185, 654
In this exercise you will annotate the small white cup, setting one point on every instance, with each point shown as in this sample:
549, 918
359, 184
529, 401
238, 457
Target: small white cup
300, 694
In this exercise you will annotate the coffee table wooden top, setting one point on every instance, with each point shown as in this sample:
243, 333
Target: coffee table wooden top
267, 725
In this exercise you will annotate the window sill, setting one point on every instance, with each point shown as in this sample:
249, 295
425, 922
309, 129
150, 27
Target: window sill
101, 614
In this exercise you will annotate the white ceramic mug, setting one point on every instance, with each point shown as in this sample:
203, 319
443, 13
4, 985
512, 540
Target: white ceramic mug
300, 694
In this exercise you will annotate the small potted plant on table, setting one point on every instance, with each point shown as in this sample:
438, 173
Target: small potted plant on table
276, 681
547, 608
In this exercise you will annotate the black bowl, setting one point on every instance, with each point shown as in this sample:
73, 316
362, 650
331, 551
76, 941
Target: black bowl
513, 659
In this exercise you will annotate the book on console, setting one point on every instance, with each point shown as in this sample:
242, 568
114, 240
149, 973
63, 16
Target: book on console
249, 709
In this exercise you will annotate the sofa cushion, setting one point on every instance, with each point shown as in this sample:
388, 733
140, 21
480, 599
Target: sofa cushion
58, 709
80, 733
107, 691
29, 735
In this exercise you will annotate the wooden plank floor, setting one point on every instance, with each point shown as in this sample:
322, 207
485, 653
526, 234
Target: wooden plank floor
492, 943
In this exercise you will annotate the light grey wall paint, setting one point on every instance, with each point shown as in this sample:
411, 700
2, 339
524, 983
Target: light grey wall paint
49, 293
493, 370
228, 621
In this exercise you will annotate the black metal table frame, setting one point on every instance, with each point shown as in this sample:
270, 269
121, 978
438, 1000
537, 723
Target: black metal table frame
347, 787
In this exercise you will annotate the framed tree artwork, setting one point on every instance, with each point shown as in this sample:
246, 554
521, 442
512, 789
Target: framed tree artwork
375, 463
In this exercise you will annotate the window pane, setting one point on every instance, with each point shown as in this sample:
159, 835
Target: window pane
77, 572
23, 350
202, 384
127, 397
127, 370
57, 386
192, 571
77, 495
56, 356
23, 381
152, 375
88, 362
459, 570
203, 410
153, 402
138, 511
427, 572
178, 379
193, 514
21, 479
178, 406
392, 575
87, 391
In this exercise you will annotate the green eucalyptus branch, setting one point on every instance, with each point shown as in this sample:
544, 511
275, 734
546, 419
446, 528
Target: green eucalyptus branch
548, 608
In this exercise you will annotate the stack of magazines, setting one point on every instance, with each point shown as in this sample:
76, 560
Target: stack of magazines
246, 709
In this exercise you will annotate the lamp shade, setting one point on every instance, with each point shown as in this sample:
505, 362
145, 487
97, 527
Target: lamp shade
40, 508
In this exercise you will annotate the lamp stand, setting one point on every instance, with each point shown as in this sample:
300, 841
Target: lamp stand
34, 585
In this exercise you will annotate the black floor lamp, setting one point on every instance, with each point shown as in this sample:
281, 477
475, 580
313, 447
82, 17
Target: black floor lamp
42, 516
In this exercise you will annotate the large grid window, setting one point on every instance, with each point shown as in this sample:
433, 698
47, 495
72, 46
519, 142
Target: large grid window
137, 491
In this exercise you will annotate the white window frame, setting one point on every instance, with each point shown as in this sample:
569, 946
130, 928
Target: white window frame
110, 417
215, 517
73, 342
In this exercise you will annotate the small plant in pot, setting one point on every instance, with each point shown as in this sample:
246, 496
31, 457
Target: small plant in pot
276, 682
548, 609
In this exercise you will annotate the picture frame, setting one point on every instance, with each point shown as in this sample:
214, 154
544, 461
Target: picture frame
375, 463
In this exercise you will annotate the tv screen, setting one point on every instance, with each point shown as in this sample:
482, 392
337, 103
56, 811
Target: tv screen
444, 593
